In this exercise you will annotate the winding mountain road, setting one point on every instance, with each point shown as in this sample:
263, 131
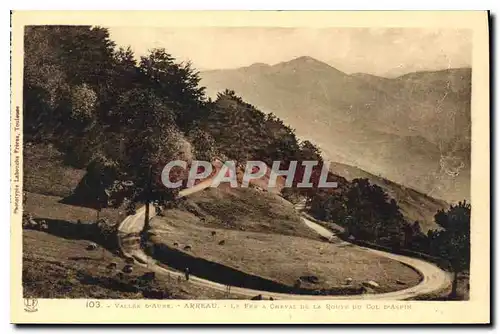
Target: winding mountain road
434, 278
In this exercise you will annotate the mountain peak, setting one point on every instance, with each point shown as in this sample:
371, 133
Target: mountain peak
258, 65
309, 63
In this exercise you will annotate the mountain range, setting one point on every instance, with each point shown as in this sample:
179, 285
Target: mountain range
413, 129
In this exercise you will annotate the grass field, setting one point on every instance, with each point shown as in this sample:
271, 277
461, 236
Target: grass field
246, 209
55, 267
45, 172
50, 207
60, 266
263, 236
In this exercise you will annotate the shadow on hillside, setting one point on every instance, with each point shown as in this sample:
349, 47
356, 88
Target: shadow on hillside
131, 284
229, 276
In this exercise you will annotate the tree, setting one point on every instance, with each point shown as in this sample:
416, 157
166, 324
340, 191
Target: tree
242, 132
309, 151
140, 110
235, 126
123, 76
453, 242
372, 215
83, 103
176, 83
86, 53
147, 154
67, 78
328, 206
45, 84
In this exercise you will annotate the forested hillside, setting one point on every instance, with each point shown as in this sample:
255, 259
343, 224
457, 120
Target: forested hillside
118, 117
121, 120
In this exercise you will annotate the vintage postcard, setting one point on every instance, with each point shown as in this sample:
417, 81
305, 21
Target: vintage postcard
250, 167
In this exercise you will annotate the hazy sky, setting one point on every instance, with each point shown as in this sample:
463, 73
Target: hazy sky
379, 51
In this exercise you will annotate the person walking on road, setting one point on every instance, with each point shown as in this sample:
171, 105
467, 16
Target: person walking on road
186, 273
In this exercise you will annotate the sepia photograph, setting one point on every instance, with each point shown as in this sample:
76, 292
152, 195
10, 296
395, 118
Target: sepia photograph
245, 163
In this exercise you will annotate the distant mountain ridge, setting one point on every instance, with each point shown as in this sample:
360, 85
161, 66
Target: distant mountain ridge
413, 129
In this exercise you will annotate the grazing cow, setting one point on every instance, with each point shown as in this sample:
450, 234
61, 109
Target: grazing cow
214, 233
112, 265
222, 242
92, 246
43, 225
310, 279
176, 244
33, 224
371, 284
187, 248
127, 269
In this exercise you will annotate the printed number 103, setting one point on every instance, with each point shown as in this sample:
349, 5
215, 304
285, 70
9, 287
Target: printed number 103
92, 304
